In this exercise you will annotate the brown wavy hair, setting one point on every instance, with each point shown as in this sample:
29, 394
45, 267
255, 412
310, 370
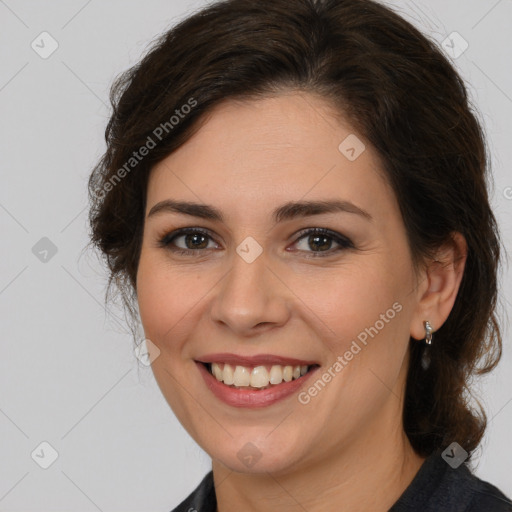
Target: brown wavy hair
396, 87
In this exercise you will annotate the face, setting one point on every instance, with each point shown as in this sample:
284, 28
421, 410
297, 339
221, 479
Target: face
331, 291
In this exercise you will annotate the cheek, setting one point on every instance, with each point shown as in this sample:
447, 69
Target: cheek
350, 301
166, 301
369, 318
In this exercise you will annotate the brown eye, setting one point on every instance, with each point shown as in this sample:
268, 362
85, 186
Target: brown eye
194, 240
319, 241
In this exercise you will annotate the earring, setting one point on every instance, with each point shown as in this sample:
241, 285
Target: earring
428, 332
425, 357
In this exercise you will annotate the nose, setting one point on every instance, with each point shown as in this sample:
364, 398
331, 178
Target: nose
251, 298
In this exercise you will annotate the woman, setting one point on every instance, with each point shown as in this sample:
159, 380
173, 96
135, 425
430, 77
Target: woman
293, 198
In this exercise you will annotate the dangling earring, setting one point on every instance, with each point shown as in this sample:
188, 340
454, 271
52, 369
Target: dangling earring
428, 332
425, 358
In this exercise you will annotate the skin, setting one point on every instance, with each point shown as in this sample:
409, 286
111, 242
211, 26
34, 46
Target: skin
247, 159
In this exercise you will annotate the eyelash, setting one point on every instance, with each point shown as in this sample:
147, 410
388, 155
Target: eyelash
343, 242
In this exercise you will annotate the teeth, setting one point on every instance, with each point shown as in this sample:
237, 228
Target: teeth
217, 372
257, 377
227, 375
276, 374
242, 376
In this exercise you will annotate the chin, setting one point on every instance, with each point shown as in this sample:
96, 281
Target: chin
259, 453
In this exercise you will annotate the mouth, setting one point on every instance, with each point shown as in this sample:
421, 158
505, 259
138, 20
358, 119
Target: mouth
256, 381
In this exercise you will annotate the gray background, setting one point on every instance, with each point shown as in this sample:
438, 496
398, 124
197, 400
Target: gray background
68, 375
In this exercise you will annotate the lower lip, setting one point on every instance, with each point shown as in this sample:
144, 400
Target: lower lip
248, 397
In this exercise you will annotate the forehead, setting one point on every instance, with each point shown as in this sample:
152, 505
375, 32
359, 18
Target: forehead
259, 152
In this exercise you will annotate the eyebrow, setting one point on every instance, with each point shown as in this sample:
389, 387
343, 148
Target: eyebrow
287, 211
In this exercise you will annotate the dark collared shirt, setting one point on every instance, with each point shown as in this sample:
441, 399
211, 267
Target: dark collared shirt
437, 487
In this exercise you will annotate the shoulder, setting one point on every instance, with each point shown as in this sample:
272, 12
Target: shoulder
488, 497
202, 499
439, 487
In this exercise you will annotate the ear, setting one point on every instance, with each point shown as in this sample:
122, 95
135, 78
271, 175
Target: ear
439, 285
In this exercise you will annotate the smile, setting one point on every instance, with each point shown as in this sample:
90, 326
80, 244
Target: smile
257, 381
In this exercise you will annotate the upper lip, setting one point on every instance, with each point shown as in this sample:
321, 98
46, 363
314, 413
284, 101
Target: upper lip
256, 360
